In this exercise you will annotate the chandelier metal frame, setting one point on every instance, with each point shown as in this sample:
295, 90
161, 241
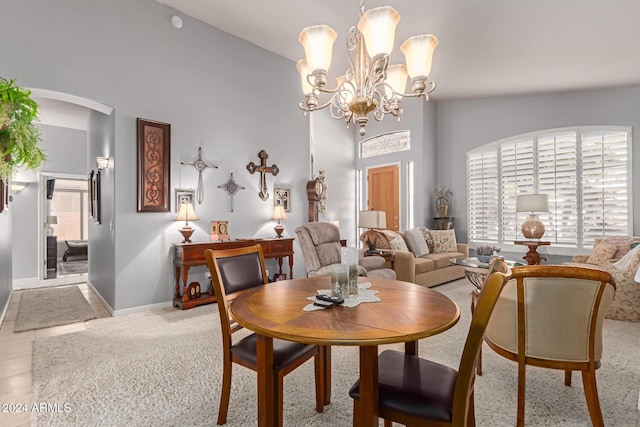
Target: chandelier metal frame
364, 88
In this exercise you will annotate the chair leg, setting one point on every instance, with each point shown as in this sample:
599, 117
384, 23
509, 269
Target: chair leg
226, 391
591, 394
388, 423
521, 393
471, 414
479, 364
567, 378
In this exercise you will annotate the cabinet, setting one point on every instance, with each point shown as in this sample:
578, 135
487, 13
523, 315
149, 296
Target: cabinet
187, 255
52, 256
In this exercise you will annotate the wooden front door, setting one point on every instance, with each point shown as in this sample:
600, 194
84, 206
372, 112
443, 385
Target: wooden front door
383, 193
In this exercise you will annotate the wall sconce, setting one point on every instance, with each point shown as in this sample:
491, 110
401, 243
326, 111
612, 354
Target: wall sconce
18, 186
103, 162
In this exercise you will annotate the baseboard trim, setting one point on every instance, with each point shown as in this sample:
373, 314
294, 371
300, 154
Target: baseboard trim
142, 308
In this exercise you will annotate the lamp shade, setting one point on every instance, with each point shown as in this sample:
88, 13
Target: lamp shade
317, 41
532, 203
418, 53
303, 69
186, 213
396, 78
278, 213
378, 27
372, 219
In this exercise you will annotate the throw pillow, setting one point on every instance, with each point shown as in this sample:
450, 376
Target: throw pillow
396, 241
601, 253
629, 261
415, 241
426, 233
444, 241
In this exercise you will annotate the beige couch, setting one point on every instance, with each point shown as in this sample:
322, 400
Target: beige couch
617, 258
426, 270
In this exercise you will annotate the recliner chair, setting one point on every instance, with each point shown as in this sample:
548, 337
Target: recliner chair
320, 244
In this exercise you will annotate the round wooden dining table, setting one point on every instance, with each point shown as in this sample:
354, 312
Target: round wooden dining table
406, 313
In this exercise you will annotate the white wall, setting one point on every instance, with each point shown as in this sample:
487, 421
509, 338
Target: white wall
217, 91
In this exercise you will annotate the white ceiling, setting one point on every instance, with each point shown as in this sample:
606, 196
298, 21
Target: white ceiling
487, 47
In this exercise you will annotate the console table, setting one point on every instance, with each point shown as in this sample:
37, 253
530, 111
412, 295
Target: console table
187, 255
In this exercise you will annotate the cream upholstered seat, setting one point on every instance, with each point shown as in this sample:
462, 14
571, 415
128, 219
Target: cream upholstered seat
552, 316
320, 244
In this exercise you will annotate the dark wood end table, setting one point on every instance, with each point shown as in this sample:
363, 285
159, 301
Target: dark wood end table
532, 257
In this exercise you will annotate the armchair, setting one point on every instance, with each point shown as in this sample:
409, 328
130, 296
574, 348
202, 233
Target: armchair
552, 317
320, 244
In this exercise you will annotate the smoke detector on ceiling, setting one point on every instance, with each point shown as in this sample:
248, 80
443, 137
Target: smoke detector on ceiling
176, 21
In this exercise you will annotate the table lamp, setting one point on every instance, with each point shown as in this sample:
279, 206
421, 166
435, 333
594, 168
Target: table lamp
186, 214
51, 219
278, 213
371, 220
532, 228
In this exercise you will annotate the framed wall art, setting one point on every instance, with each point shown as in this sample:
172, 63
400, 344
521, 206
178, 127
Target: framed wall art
90, 193
154, 160
184, 196
3, 195
282, 196
95, 197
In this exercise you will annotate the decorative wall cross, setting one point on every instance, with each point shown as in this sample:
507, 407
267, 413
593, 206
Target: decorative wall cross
231, 187
200, 165
264, 170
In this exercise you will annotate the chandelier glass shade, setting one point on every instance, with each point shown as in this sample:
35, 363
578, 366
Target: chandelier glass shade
370, 85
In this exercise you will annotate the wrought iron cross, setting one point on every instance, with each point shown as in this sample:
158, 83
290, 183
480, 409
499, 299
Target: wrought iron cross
264, 170
231, 187
200, 165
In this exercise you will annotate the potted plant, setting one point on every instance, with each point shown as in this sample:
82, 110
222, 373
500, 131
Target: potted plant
486, 252
19, 137
442, 200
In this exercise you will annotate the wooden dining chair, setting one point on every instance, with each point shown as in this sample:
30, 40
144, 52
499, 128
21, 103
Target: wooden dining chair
234, 271
497, 265
552, 317
416, 391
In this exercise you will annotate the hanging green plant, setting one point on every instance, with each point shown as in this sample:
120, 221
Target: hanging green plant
19, 137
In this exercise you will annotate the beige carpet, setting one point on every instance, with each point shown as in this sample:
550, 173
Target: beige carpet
44, 308
164, 370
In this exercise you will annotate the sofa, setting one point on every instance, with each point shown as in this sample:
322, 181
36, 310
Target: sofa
422, 256
619, 256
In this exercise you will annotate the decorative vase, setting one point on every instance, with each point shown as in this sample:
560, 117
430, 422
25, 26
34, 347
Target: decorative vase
349, 256
443, 210
484, 258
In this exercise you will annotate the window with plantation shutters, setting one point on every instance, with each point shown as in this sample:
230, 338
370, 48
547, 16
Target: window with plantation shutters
585, 171
482, 170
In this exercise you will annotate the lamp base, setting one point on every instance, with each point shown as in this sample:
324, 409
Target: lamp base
279, 229
532, 228
186, 232
372, 235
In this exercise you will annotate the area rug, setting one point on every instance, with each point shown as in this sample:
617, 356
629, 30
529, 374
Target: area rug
165, 369
73, 267
44, 308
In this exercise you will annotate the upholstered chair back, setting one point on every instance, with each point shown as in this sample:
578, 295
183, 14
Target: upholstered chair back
320, 244
560, 311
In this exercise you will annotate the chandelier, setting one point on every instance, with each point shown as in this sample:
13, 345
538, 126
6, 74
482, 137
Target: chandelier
370, 85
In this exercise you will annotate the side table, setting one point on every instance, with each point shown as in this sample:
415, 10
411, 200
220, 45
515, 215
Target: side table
443, 223
388, 256
532, 257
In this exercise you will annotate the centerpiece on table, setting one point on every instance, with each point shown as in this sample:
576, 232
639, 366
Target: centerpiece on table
486, 253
